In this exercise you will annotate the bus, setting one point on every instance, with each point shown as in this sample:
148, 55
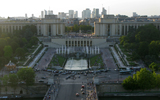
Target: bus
125, 72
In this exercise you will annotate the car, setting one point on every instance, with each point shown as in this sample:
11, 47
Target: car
43, 77
40, 80
56, 74
49, 70
63, 73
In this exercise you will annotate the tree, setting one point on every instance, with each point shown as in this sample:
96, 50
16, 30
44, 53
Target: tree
27, 75
5, 81
157, 79
3, 61
129, 83
123, 39
8, 51
13, 81
143, 49
154, 48
34, 40
147, 33
145, 79
20, 52
153, 66
14, 46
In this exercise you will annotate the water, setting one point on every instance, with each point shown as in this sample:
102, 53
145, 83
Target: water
129, 98
73, 64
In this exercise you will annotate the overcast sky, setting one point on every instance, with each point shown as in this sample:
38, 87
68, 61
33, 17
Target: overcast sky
14, 8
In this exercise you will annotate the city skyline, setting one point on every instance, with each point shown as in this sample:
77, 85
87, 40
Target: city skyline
16, 8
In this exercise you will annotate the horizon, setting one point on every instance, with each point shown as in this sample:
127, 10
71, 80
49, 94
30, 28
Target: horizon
18, 9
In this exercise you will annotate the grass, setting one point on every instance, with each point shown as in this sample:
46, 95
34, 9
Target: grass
57, 60
94, 61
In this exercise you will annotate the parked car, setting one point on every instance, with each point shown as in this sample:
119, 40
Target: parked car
49, 70
56, 74
43, 77
41, 81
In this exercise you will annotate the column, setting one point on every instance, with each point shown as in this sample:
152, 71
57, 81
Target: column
37, 29
107, 29
124, 29
134, 26
137, 26
61, 29
101, 29
57, 27
120, 29
5, 28
127, 28
104, 29
11, 28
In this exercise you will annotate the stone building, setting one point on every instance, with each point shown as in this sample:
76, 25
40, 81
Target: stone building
109, 25
48, 26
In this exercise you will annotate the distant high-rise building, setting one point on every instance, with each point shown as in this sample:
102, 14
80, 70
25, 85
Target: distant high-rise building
45, 13
104, 11
71, 13
135, 14
32, 15
61, 15
75, 14
50, 12
97, 13
26, 16
42, 14
86, 13
93, 13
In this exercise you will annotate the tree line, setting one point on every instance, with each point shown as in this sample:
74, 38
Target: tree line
16, 44
143, 79
26, 75
144, 43
76, 28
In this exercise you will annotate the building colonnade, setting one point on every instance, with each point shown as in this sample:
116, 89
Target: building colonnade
118, 29
78, 42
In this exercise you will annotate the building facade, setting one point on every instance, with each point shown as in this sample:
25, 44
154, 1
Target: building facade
108, 25
49, 26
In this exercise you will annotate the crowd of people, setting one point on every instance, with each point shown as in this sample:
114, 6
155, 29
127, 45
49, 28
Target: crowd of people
91, 95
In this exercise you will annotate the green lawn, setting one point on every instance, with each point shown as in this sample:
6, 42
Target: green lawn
94, 61
57, 60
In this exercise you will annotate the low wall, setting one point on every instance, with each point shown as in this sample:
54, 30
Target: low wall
22, 89
116, 89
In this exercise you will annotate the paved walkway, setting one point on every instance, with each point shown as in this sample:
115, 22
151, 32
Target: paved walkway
52, 92
91, 93
122, 54
37, 58
119, 62
45, 60
107, 59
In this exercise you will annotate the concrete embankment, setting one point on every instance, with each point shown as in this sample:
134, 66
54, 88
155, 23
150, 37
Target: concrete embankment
116, 89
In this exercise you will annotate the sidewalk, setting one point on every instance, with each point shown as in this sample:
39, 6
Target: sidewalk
116, 56
91, 93
37, 58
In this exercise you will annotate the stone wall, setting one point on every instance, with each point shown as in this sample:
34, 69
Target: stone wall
22, 89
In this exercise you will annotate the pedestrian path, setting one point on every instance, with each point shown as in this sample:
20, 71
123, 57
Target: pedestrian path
91, 93
117, 58
37, 58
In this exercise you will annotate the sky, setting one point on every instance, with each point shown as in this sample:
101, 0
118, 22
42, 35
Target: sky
14, 8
